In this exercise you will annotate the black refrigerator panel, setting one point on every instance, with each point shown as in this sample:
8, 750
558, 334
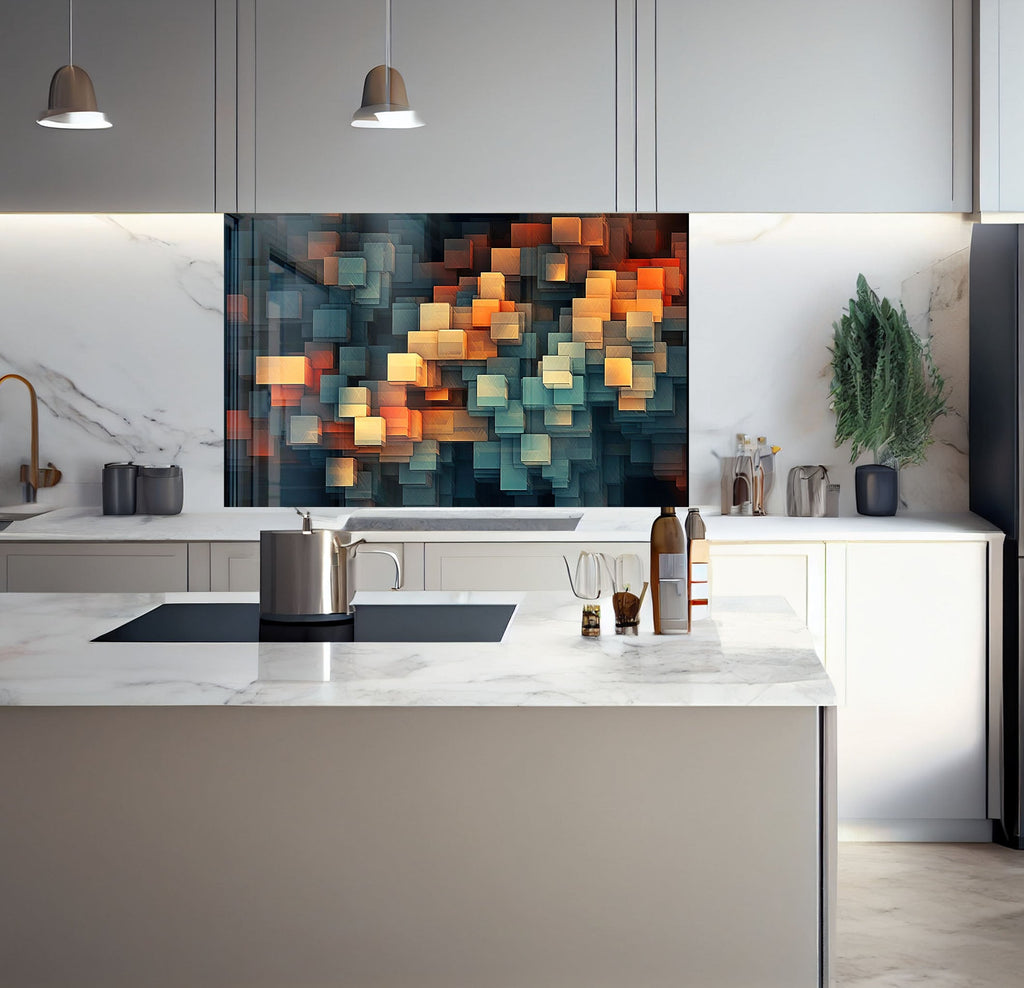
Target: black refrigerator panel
994, 420
995, 425
1009, 828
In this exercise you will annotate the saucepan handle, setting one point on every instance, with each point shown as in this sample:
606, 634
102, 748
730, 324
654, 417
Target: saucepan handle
394, 559
342, 546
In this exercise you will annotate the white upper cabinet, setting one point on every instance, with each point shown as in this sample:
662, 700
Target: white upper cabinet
999, 106
519, 101
153, 69
530, 105
806, 106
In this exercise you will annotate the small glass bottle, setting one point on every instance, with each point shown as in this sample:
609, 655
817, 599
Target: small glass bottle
668, 573
697, 559
694, 527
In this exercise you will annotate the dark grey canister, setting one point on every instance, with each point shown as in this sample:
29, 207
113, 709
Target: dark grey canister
878, 489
119, 488
159, 490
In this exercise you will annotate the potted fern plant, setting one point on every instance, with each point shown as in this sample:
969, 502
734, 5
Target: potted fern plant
886, 393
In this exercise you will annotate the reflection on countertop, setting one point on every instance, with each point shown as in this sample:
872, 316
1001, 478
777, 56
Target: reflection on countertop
753, 652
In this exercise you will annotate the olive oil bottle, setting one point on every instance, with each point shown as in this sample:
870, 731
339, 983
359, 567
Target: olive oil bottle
668, 573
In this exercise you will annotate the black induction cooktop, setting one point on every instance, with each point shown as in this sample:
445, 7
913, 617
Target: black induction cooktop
234, 622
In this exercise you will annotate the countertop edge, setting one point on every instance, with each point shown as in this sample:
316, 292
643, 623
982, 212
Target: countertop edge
70, 525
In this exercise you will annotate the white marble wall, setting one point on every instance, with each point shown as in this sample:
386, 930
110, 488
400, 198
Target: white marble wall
118, 322
764, 292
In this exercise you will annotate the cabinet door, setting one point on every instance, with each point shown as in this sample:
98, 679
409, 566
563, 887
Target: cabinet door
153, 69
800, 105
236, 566
96, 567
794, 571
512, 565
911, 736
518, 100
1001, 106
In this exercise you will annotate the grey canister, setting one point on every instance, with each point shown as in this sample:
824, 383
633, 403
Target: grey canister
119, 488
160, 490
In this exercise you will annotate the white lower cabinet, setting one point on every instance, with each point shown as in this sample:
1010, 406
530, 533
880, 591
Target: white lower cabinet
912, 733
236, 566
94, 567
902, 627
170, 567
792, 570
513, 565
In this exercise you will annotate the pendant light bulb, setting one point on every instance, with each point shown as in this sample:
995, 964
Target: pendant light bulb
72, 102
385, 102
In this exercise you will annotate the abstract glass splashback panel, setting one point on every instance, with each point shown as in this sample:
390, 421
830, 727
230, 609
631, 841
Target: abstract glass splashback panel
415, 360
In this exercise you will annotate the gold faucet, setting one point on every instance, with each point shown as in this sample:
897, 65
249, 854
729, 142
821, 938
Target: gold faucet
30, 477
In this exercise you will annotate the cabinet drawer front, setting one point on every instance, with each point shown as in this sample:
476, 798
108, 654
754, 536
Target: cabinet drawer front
794, 571
236, 566
97, 569
513, 565
750, 574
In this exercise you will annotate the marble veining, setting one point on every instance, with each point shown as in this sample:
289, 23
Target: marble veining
118, 322
120, 319
937, 304
764, 292
749, 654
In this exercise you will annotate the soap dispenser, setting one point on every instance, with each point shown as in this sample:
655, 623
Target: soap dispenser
668, 573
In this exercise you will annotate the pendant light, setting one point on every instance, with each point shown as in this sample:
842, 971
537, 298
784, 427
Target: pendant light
72, 104
385, 103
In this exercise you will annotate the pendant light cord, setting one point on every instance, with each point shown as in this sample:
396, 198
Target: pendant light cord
71, 32
387, 52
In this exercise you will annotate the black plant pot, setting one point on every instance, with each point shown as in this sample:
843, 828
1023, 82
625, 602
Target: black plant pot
878, 489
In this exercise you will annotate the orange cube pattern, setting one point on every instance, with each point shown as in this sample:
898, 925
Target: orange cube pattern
503, 342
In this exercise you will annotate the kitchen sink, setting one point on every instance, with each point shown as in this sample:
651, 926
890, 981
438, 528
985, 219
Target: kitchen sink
458, 520
18, 512
240, 622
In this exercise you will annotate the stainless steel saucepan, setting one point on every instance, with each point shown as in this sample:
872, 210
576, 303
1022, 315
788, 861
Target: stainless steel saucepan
309, 574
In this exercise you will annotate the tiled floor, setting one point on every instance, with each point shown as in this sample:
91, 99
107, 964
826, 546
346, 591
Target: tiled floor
941, 915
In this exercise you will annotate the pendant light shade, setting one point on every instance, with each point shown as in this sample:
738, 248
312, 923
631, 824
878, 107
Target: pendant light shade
382, 107
72, 103
385, 102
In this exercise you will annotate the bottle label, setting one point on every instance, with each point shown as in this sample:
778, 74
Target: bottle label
671, 566
672, 605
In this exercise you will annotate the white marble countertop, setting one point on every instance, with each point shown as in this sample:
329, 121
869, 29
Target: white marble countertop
753, 652
596, 525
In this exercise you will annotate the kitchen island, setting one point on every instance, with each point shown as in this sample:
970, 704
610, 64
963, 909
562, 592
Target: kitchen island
544, 810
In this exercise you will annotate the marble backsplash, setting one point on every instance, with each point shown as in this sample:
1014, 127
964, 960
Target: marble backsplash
764, 292
118, 322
